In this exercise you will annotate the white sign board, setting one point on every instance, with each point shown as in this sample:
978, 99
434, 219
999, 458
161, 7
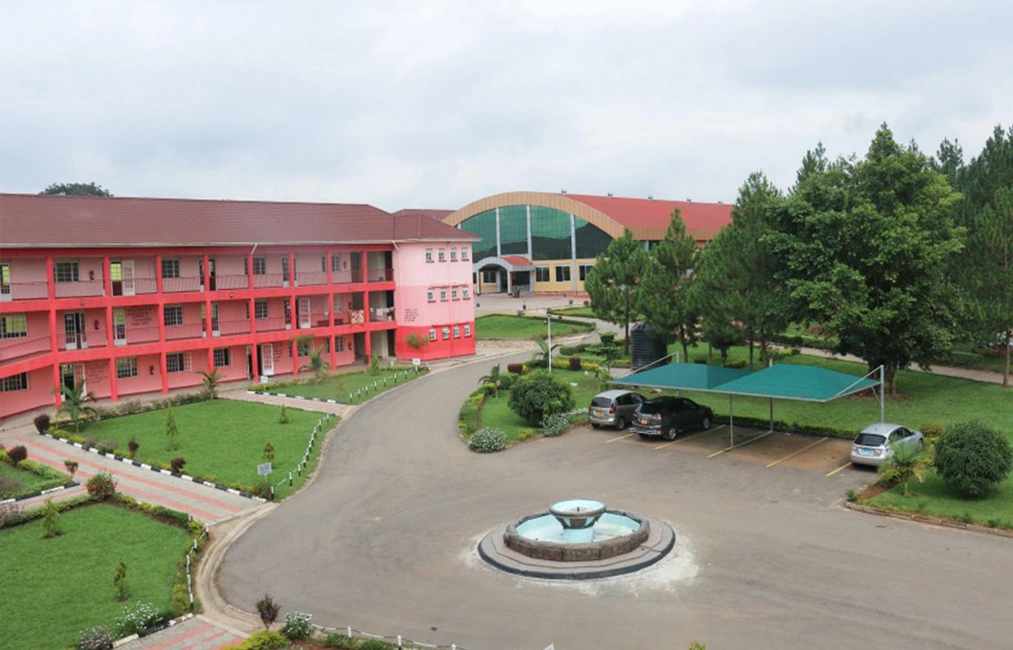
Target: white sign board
264, 469
416, 362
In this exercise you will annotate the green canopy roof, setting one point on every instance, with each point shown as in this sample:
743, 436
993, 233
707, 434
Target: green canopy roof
787, 381
783, 381
683, 376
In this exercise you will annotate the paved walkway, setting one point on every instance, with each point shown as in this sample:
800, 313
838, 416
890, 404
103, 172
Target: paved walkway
197, 633
203, 502
986, 376
291, 402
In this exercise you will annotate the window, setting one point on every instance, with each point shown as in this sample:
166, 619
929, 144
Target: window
429, 255
453, 294
562, 274
443, 254
466, 293
302, 347
467, 331
453, 254
260, 310
430, 295
173, 315
14, 382
443, 295
335, 261
446, 333
222, 357
259, 265
464, 254
178, 362
457, 331
584, 268
67, 272
541, 274
14, 326
126, 367
432, 333
170, 267
489, 276
339, 343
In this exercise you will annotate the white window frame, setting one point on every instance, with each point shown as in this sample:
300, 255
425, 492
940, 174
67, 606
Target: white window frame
582, 270
256, 309
559, 273
71, 271
467, 331
126, 367
181, 362
430, 295
14, 383
547, 272
222, 357
339, 343
446, 333
443, 295
173, 267
443, 255
465, 293
173, 309
457, 331
464, 254
454, 295
14, 326
432, 333
259, 265
453, 254
429, 255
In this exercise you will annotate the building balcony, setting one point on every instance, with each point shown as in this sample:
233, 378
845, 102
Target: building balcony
229, 282
80, 289
176, 285
133, 335
265, 280
23, 291
272, 324
310, 278
16, 349
82, 341
232, 327
134, 287
381, 314
188, 331
381, 275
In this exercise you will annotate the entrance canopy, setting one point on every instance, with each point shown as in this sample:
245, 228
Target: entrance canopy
683, 376
508, 262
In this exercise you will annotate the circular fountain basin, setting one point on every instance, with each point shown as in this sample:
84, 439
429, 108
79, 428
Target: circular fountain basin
544, 537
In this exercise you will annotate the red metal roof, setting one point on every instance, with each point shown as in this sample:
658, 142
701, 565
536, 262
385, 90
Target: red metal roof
703, 220
29, 220
516, 260
432, 213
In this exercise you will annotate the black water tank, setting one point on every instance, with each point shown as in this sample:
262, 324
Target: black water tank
645, 348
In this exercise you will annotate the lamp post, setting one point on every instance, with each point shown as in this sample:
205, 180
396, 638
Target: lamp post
548, 344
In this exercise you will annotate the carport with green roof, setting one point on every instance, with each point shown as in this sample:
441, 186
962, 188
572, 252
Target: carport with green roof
781, 381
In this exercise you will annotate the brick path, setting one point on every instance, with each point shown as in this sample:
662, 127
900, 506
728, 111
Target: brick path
291, 402
197, 633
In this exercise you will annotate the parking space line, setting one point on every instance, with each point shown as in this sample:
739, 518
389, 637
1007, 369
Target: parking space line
796, 453
741, 444
619, 438
842, 467
695, 435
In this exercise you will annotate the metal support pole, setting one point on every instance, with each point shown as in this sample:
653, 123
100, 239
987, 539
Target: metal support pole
882, 393
731, 420
548, 345
772, 415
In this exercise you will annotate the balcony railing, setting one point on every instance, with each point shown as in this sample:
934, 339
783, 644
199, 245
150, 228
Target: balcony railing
310, 278
79, 289
381, 275
269, 280
381, 314
132, 335
23, 291
271, 324
175, 285
315, 319
187, 331
233, 327
82, 341
229, 282
24, 348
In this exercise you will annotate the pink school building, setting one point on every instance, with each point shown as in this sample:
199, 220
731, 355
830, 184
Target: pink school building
129, 295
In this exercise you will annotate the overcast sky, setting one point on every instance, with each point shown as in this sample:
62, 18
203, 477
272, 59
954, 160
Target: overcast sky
437, 104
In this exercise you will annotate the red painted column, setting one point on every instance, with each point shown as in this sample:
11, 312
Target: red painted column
54, 340
365, 321
163, 365
207, 312
330, 310
254, 352
293, 348
114, 390
107, 281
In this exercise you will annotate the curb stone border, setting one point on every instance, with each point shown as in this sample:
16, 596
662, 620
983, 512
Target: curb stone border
39, 493
158, 470
320, 399
152, 630
928, 519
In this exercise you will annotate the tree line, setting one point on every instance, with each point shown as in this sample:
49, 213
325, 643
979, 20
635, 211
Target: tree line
898, 254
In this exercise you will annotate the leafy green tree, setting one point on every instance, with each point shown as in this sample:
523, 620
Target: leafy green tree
494, 377
76, 189
971, 457
665, 290
74, 404
120, 581
50, 520
713, 296
211, 380
614, 282
866, 245
171, 430
537, 395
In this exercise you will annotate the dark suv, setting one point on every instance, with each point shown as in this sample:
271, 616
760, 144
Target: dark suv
665, 417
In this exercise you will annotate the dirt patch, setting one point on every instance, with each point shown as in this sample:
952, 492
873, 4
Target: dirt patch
872, 491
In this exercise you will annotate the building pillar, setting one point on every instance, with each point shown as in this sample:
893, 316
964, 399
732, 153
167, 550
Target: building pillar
54, 337
330, 311
528, 215
114, 390
163, 365
573, 254
254, 349
107, 279
499, 247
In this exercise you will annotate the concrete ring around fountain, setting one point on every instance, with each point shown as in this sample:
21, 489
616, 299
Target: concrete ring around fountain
659, 543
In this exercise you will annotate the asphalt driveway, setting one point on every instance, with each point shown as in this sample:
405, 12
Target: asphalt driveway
383, 540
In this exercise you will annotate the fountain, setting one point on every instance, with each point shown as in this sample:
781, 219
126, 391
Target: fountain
577, 539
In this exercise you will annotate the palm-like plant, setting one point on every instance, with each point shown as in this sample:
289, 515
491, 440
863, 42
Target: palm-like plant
493, 378
544, 353
316, 364
907, 462
75, 405
212, 380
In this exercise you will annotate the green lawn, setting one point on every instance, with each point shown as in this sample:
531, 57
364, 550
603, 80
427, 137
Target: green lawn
933, 497
343, 387
524, 327
54, 588
585, 312
30, 481
496, 412
222, 440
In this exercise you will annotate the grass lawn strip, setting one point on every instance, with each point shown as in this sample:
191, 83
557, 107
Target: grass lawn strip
497, 413
499, 326
348, 388
934, 498
584, 312
30, 481
57, 587
222, 440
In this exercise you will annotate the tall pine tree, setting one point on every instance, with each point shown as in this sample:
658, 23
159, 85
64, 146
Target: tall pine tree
665, 290
614, 282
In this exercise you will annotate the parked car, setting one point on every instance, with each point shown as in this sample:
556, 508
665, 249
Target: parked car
614, 408
877, 441
666, 416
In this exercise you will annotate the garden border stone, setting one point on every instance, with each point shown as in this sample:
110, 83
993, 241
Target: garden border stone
928, 519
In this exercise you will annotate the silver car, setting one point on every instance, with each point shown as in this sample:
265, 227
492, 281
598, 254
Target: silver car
876, 443
614, 408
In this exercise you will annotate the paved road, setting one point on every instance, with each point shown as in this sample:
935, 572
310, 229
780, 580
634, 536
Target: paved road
383, 540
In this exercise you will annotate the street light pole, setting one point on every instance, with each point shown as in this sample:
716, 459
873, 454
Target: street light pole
548, 345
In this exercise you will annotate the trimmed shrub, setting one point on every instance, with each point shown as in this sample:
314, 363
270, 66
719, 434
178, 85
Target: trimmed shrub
515, 368
487, 440
71, 466
507, 381
177, 464
268, 611
133, 446
297, 626
120, 581
137, 618
555, 424
108, 446
575, 363
262, 641
932, 431
340, 641
50, 520
17, 454
375, 644
538, 395
10, 487
283, 416
41, 423
95, 638
971, 456
101, 486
